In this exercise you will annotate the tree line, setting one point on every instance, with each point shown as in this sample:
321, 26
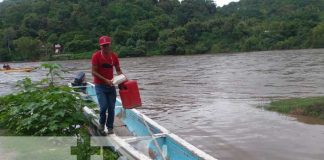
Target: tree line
29, 28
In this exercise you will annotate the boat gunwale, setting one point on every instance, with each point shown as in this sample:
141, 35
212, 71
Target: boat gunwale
166, 133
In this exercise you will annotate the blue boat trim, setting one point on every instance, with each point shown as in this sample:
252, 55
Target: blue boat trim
173, 147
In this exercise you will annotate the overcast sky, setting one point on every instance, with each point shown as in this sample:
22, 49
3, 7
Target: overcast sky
218, 2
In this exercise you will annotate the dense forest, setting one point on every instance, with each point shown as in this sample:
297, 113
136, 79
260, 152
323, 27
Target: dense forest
29, 28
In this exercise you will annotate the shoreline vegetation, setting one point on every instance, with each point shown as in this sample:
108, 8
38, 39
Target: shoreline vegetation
309, 106
32, 30
88, 55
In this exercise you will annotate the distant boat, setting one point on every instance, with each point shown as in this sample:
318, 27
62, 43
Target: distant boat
133, 128
23, 69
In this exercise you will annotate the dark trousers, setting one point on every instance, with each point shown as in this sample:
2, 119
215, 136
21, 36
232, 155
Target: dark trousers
107, 98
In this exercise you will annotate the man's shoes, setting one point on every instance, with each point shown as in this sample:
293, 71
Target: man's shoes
101, 127
110, 131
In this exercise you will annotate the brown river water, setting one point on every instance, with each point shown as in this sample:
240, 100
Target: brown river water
212, 100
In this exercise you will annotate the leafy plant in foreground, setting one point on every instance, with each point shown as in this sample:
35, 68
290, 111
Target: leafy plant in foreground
48, 110
54, 71
43, 111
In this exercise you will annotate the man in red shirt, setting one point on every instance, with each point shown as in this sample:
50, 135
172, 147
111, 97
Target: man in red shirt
103, 62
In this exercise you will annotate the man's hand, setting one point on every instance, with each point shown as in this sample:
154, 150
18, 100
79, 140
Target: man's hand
108, 82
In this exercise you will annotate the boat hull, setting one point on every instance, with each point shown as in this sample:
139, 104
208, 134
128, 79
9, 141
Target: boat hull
26, 69
159, 143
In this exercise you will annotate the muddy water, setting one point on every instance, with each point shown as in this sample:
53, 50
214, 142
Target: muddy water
212, 100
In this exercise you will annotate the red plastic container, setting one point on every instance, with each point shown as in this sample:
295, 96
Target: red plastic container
129, 94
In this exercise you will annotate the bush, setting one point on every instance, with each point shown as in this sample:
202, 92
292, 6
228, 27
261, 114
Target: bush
48, 111
131, 52
317, 39
173, 46
79, 46
27, 48
201, 47
286, 44
4, 55
39, 110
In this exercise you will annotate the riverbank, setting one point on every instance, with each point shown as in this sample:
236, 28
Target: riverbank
68, 56
88, 55
310, 106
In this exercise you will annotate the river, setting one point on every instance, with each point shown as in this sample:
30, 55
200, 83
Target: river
212, 100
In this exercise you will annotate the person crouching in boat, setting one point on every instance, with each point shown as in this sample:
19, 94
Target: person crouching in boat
103, 62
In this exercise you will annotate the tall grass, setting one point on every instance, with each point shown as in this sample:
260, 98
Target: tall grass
311, 106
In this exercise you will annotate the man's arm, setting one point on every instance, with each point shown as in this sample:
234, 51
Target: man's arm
118, 70
95, 73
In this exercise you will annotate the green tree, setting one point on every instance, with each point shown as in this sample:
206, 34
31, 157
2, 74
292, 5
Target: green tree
4, 55
169, 6
8, 35
121, 36
194, 29
33, 21
145, 31
317, 36
26, 47
173, 46
163, 27
200, 9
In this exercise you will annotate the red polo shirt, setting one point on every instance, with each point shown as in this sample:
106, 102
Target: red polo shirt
105, 63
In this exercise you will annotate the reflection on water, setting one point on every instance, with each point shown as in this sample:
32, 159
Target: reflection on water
211, 100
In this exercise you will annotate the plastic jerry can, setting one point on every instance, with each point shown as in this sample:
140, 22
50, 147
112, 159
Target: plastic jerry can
129, 94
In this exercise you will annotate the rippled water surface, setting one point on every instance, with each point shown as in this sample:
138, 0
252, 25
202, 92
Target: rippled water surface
212, 100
